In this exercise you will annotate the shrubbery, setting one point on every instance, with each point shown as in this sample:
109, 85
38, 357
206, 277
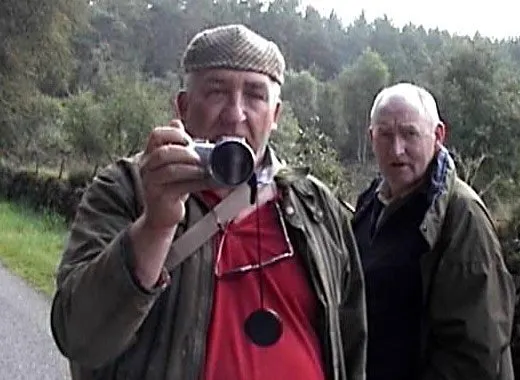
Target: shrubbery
43, 193
48, 193
510, 237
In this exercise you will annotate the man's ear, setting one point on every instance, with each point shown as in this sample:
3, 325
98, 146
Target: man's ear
440, 134
181, 105
277, 113
370, 132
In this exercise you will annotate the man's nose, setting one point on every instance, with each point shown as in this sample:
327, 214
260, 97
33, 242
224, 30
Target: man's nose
234, 112
398, 145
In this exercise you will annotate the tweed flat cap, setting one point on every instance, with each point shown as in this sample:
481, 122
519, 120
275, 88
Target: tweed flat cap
234, 47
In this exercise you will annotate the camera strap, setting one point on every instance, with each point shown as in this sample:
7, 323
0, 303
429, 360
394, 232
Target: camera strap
235, 206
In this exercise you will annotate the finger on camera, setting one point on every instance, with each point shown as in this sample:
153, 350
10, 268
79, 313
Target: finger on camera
189, 187
170, 155
176, 123
174, 174
167, 135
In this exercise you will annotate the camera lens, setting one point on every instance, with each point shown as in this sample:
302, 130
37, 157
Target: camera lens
232, 162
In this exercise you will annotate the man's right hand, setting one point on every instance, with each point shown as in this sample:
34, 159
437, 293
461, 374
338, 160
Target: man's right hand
170, 171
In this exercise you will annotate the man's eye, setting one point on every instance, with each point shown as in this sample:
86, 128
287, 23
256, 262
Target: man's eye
411, 133
215, 91
256, 95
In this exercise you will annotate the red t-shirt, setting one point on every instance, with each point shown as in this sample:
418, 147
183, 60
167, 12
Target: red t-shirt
230, 355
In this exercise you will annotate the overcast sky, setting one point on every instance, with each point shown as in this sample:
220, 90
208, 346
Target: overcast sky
496, 18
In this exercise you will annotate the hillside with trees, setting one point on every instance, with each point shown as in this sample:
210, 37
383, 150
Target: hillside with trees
82, 82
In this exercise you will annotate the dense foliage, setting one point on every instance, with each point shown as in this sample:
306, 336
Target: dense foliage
84, 81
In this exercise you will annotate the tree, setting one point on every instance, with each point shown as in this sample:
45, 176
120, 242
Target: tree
482, 107
308, 147
359, 84
301, 90
130, 110
285, 138
330, 108
84, 129
35, 55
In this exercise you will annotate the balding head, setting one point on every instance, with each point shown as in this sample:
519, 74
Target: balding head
414, 96
406, 131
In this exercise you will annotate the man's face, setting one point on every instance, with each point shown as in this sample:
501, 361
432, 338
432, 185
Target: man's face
404, 142
230, 103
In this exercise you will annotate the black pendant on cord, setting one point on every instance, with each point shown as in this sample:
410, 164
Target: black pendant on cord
263, 327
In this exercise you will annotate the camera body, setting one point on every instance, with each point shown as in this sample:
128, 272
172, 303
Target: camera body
229, 162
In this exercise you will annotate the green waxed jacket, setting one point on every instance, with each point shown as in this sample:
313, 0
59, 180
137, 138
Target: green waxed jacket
468, 292
111, 329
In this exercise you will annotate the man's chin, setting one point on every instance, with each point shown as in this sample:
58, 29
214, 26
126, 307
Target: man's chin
403, 186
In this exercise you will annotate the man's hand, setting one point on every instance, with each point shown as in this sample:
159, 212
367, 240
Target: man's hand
170, 170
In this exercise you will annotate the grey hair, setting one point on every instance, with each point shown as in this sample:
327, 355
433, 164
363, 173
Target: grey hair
275, 89
418, 97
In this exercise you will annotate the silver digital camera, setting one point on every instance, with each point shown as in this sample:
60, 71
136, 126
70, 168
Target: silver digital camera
229, 162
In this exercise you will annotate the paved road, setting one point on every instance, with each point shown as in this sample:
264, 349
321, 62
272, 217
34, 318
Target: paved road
27, 351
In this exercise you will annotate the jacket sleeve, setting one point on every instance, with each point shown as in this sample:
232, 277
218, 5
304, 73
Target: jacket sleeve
98, 306
472, 301
353, 312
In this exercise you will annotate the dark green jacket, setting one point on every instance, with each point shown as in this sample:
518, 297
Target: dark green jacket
110, 329
468, 292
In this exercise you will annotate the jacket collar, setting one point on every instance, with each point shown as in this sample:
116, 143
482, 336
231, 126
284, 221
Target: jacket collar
441, 184
270, 167
438, 186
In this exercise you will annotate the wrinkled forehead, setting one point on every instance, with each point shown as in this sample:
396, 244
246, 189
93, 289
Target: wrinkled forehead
397, 108
401, 111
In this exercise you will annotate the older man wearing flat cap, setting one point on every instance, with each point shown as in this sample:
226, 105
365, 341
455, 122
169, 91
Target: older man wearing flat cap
204, 256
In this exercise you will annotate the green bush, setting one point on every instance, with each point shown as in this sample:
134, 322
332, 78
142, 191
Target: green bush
44, 194
79, 178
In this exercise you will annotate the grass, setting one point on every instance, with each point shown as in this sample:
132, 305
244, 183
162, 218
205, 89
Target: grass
31, 244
